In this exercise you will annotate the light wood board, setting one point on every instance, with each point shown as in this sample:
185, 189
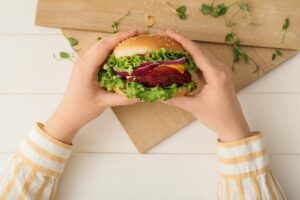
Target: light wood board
98, 15
149, 124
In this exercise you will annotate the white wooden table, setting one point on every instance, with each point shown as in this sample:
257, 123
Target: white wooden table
105, 164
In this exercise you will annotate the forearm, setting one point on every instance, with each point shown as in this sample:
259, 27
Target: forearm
245, 170
62, 125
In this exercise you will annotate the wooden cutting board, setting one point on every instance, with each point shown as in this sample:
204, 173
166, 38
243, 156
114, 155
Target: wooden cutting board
98, 15
149, 124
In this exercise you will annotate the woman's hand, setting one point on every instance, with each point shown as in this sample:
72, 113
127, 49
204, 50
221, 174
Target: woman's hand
216, 106
84, 100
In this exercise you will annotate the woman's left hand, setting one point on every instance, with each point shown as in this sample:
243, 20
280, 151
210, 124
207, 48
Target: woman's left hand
84, 100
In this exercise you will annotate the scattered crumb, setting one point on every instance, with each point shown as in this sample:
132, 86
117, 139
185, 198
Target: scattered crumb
150, 20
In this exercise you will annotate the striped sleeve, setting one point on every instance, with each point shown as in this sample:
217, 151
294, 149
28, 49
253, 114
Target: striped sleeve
34, 170
245, 171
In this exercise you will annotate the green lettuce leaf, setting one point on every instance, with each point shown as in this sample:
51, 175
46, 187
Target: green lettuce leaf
133, 89
151, 94
108, 80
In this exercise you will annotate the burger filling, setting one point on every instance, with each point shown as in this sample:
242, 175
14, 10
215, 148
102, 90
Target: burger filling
149, 77
163, 76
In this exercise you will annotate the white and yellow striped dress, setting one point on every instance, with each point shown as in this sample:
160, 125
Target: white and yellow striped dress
34, 170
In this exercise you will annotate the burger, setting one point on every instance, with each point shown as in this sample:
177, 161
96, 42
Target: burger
148, 67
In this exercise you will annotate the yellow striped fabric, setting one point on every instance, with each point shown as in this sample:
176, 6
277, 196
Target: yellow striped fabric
245, 163
256, 188
41, 189
27, 185
35, 168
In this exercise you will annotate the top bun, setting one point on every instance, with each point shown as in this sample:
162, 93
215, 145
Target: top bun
145, 43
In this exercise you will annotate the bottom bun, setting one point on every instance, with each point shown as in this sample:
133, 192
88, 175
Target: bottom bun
178, 93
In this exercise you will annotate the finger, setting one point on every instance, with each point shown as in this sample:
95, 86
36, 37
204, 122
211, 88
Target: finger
112, 99
202, 58
106, 45
100, 51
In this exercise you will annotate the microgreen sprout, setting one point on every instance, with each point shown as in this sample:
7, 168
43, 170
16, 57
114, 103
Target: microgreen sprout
238, 53
115, 24
276, 53
285, 26
214, 11
73, 41
63, 55
180, 11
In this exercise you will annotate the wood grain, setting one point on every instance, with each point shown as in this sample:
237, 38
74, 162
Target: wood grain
149, 124
98, 15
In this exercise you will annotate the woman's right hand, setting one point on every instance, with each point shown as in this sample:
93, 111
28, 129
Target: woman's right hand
217, 105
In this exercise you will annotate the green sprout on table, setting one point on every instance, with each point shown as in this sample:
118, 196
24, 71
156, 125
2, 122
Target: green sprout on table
206, 9
214, 11
276, 53
115, 24
180, 11
245, 8
238, 53
221, 10
73, 41
285, 26
63, 55
115, 27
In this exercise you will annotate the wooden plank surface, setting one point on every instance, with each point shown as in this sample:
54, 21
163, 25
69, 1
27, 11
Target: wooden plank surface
149, 124
98, 15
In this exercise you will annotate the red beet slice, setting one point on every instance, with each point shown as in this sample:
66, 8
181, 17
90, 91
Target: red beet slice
163, 76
